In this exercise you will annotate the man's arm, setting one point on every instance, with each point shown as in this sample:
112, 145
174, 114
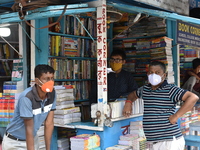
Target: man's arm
48, 129
190, 100
29, 133
132, 85
193, 74
127, 111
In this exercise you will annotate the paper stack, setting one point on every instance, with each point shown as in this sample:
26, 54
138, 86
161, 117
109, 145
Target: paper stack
132, 140
40, 134
65, 107
119, 147
161, 50
129, 140
63, 144
85, 142
13, 87
136, 139
117, 108
64, 94
137, 107
6, 108
136, 127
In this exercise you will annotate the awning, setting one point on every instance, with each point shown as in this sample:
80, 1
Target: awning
158, 13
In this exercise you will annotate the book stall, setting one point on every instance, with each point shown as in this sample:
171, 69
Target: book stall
157, 37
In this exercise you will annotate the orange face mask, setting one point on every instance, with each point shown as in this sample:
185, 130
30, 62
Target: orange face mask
48, 86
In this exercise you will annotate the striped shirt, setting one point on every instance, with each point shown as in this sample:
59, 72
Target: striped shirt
159, 104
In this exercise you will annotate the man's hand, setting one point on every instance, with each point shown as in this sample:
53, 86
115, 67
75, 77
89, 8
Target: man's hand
173, 119
127, 111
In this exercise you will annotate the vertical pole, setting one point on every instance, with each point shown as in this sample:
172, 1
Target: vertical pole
22, 50
102, 60
171, 33
33, 49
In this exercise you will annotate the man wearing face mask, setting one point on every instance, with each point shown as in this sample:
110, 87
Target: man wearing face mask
35, 106
120, 82
191, 80
160, 115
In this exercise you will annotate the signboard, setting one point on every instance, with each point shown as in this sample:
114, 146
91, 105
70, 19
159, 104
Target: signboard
188, 34
102, 61
178, 6
194, 3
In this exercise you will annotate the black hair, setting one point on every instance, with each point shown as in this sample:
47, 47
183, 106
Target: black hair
119, 52
42, 68
158, 63
195, 63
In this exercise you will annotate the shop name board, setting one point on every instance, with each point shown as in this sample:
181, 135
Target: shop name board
188, 34
177, 6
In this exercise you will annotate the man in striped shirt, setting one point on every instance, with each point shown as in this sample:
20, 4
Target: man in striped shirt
160, 116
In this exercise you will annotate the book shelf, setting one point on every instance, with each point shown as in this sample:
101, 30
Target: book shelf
7, 55
72, 53
187, 54
139, 45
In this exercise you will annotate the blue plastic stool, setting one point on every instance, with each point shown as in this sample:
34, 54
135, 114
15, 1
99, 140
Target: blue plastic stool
191, 139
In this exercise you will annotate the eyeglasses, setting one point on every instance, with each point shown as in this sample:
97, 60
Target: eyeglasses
115, 60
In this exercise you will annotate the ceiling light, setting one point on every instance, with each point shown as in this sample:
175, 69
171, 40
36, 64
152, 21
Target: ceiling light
5, 32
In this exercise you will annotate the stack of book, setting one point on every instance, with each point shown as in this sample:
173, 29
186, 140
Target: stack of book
9, 98
189, 117
63, 144
85, 142
66, 132
135, 140
40, 134
187, 54
141, 52
7, 106
66, 112
150, 26
137, 128
137, 107
17, 71
115, 109
161, 50
71, 47
13, 86
119, 147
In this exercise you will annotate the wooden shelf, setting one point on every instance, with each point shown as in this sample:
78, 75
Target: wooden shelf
1, 77
69, 35
141, 37
74, 58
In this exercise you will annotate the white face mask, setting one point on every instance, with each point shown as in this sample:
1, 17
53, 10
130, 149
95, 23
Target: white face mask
154, 79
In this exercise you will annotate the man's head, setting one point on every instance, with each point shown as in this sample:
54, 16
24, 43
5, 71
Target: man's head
156, 73
117, 59
196, 63
44, 77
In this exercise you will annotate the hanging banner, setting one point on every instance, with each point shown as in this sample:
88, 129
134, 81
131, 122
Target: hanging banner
178, 6
188, 34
